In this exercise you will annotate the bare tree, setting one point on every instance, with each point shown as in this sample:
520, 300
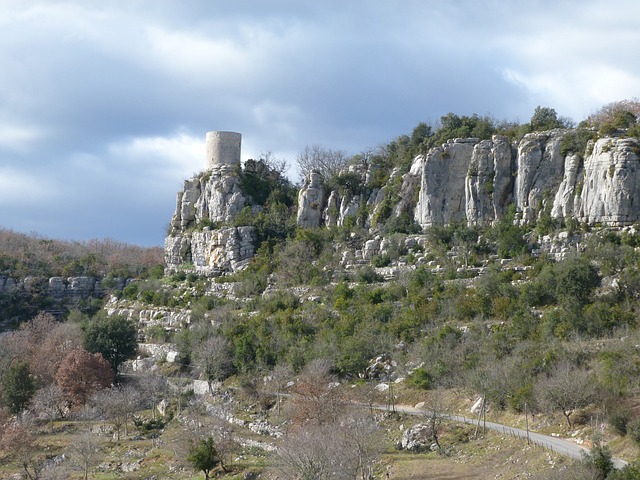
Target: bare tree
117, 405
316, 399
277, 382
346, 449
316, 452
20, 447
213, 360
434, 413
566, 388
155, 388
363, 436
50, 403
85, 450
326, 161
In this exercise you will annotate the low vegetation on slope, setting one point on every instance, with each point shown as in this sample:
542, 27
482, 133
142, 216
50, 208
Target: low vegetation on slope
275, 370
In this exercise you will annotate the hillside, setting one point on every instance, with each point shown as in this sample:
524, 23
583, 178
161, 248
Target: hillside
473, 261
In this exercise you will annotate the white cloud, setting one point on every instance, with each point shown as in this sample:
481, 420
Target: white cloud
18, 188
19, 138
178, 155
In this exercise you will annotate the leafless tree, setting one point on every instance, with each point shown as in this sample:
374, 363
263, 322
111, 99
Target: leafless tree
566, 388
316, 397
328, 162
213, 360
435, 409
277, 382
117, 405
346, 449
20, 447
362, 434
50, 403
85, 450
316, 452
154, 388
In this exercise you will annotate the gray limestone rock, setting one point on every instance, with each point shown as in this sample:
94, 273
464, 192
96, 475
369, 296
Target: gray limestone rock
311, 201
610, 192
540, 169
442, 188
212, 252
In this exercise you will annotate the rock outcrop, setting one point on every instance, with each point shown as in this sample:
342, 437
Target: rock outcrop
211, 252
211, 198
466, 180
310, 201
599, 185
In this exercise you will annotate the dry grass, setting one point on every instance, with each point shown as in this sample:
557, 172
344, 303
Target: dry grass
490, 457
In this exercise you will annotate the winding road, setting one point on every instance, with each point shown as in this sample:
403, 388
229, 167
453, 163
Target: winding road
558, 445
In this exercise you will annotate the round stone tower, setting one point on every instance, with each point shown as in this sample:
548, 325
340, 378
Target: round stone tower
223, 149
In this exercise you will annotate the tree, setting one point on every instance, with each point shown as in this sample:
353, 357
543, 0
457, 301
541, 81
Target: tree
46, 357
204, 456
316, 452
546, 118
114, 337
18, 387
154, 388
117, 405
49, 402
576, 277
81, 374
566, 388
316, 398
343, 449
278, 381
213, 359
326, 161
434, 411
21, 447
86, 451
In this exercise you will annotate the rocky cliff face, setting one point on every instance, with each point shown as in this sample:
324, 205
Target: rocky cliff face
474, 181
463, 181
209, 199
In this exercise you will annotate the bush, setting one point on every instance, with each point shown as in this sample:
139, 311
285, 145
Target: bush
379, 261
619, 421
421, 379
633, 429
369, 275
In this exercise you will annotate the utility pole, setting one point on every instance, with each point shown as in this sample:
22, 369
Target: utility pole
526, 419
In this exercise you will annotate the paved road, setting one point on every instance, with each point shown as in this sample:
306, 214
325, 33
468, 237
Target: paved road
558, 445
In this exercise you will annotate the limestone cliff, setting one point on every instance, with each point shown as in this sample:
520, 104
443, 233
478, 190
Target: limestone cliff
210, 199
462, 181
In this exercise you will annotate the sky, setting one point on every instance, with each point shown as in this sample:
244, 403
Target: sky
104, 105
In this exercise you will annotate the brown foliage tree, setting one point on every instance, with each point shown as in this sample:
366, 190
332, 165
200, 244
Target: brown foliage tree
81, 374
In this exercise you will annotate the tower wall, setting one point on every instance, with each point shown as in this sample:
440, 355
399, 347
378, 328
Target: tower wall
223, 149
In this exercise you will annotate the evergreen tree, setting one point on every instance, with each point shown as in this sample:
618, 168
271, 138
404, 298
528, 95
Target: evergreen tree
18, 387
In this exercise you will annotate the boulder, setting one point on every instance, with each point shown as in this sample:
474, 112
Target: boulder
417, 438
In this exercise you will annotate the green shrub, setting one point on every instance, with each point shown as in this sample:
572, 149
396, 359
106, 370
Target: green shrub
421, 379
633, 429
619, 420
369, 275
379, 261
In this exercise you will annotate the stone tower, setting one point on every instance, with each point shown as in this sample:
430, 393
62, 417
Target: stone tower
223, 149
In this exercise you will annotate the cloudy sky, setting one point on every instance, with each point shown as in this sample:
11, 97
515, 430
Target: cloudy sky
104, 105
